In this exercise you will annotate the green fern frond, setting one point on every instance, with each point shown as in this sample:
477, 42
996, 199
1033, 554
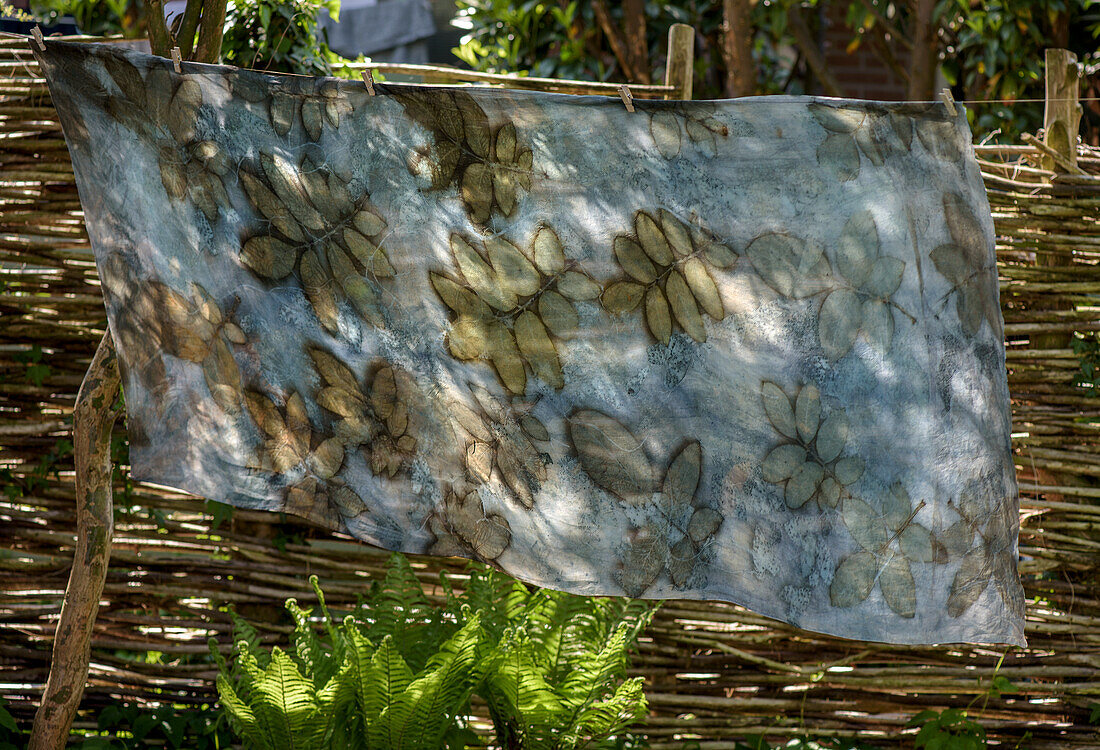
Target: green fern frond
243, 631
285, 702
241, 718
421, 715
610, 717
517, 692
595, 673
387, 677
333, 703
399, 609
310, 653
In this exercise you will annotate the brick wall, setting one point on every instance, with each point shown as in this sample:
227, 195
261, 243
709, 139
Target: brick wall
861, 74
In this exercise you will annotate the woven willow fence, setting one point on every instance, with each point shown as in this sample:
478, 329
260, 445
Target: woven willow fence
714, 672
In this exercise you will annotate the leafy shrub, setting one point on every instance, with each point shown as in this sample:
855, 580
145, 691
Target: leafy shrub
280, 36
399, 671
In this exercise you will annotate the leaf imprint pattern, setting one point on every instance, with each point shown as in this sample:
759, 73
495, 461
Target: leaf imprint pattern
747, 350
669, 273
512, 305
315, 229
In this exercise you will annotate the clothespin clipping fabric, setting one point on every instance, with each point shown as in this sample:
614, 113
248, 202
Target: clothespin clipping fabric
948, 101
627, 97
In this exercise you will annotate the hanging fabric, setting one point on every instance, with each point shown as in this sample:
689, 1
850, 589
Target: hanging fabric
745, 350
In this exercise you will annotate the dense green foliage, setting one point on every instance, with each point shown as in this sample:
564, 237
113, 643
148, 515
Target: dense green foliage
399, 671
281, 36
995, 51
990, 50
98, 17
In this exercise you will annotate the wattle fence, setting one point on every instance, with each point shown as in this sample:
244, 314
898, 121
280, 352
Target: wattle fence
714, 672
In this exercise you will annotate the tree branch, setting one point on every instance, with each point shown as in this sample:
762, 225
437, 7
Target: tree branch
160, 39
186, 36
923, 59
804, 40
615, 39
93, 419
211, 29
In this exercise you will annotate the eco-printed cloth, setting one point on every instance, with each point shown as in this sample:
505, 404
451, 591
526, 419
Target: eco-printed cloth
745, 350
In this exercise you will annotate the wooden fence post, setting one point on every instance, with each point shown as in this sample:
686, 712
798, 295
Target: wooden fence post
1061, 120
1062, 116
680, 66
93, 420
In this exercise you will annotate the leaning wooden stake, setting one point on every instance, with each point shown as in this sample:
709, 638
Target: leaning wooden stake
680, 66
93, 420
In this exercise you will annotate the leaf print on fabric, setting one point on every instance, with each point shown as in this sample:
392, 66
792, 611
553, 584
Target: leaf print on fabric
791, 266
502, 437
191, 327
190, 168
672, 127
872, 131
513, 306
991, 561
857, 289
810, 465
678, 506
463, 528
967, 264
378, 415
669, 267
333, 241
489, 165
644, 558
779, 269
890, 542
680, 527
311, 103
290, 443
197, 330
611, 456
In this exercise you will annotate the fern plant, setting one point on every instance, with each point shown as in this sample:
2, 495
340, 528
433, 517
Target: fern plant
559, 683
398, 672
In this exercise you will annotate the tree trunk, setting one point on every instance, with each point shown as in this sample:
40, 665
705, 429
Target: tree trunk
634, 31
737, 48
925, 54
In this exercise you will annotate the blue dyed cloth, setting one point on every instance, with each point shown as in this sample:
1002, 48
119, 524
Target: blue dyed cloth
744, 350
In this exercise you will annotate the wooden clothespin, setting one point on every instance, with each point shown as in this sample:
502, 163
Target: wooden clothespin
176, 59
627, 97
368, 78
37, 33
948, 101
